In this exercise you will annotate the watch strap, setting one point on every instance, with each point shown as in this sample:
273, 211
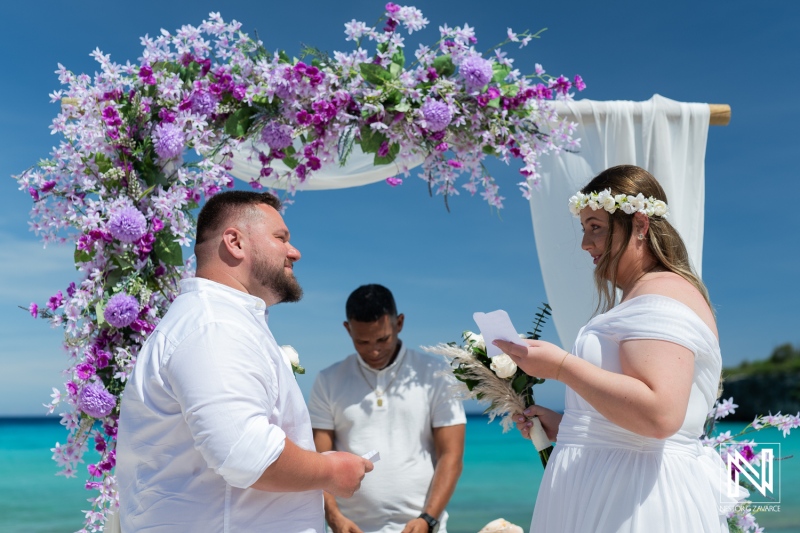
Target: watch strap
432, 522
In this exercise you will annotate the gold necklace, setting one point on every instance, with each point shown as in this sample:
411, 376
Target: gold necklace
378, 393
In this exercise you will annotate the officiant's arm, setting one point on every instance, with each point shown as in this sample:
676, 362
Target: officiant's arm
448, 442
339, 523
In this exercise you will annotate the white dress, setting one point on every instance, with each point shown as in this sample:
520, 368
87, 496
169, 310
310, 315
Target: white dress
603, 478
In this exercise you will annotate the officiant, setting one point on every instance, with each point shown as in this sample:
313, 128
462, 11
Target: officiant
395, 400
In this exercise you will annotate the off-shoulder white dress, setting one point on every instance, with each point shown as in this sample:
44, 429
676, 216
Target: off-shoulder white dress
602, 478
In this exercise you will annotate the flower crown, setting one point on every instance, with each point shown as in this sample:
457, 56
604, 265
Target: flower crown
610, 202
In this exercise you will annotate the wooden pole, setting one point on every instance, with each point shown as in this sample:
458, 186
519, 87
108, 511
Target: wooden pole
720, 114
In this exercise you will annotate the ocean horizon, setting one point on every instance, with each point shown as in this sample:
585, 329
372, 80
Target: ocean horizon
501, 478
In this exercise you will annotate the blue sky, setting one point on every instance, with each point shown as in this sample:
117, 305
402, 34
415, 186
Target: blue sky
444, 266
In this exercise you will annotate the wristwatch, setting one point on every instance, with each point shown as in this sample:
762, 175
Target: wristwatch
433, 524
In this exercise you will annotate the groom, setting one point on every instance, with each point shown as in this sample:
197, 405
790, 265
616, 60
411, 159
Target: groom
214, 434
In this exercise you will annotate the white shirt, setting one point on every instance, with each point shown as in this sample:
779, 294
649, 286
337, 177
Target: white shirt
415, 399
205, 412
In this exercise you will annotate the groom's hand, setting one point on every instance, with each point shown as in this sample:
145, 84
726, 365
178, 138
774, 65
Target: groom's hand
347, 471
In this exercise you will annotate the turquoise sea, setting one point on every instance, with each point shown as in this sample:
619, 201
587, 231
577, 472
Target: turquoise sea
501, 478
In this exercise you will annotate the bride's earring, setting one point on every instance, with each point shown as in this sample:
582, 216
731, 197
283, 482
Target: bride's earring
641, 236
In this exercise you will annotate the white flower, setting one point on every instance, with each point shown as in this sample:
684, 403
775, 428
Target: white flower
606, 199
474, 339
503, 366
290, 356
659, 208
637, 202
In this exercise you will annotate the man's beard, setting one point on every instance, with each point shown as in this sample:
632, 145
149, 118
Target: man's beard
284, 285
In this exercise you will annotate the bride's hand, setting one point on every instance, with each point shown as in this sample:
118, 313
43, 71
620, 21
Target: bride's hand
550, 421
541, 359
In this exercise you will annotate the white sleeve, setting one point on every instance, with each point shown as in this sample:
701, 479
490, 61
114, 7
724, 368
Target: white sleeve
446, 409
227, 387
320, 409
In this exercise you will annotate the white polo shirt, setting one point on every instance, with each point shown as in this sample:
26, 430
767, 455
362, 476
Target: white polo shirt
415, 398
204, 414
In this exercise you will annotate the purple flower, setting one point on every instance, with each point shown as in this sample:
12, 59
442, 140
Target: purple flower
166, 115
476, 72
169, 140
127, 225
277, 136
392, 8
85, 370
48, 186
561, 84
96, 401
121, 310
34, 309
34, 193
383, 150
442, 147
394, 182
579, 83
203, 102
455, 164
55, 301
437, 115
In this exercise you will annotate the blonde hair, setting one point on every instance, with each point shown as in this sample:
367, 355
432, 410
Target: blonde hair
663, 241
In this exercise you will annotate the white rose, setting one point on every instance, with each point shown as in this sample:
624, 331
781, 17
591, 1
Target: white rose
503, 366
574, 205
290, 356
475, 339
606, 199
659, 208
637, 203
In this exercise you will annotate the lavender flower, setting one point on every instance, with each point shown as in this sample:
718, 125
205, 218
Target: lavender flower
437, 115
394, 181
34, 309
96, 401
121, 310
476, 72
203, 102
168, 140
277, 136
128, 224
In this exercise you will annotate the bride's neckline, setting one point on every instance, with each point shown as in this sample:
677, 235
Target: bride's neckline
678, 302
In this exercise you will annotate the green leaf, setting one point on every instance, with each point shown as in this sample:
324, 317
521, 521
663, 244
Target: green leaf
395, 70
444, 66
402, 107
399, 58
488, 150
290, 162
394, 149
500, 72
284, 56
375, 74
103, 163
167, 250
494, 103
509, 90
82, 256
520, 383
371, 140
99, 311
239, 122
113, 277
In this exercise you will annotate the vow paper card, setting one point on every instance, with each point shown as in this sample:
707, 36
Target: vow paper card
372, 455
496, 325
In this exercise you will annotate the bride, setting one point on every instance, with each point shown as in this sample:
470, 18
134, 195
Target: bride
640, 379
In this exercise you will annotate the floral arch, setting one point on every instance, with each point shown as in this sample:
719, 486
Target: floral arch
122, 185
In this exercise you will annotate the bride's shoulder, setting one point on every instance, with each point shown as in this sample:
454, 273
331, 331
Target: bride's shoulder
673, 286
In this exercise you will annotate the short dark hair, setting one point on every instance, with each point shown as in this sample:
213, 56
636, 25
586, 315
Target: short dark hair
220, 207
370, 302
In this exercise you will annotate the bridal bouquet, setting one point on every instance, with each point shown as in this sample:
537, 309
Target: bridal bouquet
497, 380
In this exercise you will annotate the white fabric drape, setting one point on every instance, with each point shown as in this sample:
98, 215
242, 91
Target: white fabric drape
667, 138
359, 170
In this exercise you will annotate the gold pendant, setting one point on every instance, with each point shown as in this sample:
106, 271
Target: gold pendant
380, 402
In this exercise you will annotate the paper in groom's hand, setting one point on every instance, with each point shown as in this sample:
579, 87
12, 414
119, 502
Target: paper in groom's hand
496, 326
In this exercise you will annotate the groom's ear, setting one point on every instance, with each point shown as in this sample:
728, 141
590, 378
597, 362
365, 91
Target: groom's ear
346, 325
233, 243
